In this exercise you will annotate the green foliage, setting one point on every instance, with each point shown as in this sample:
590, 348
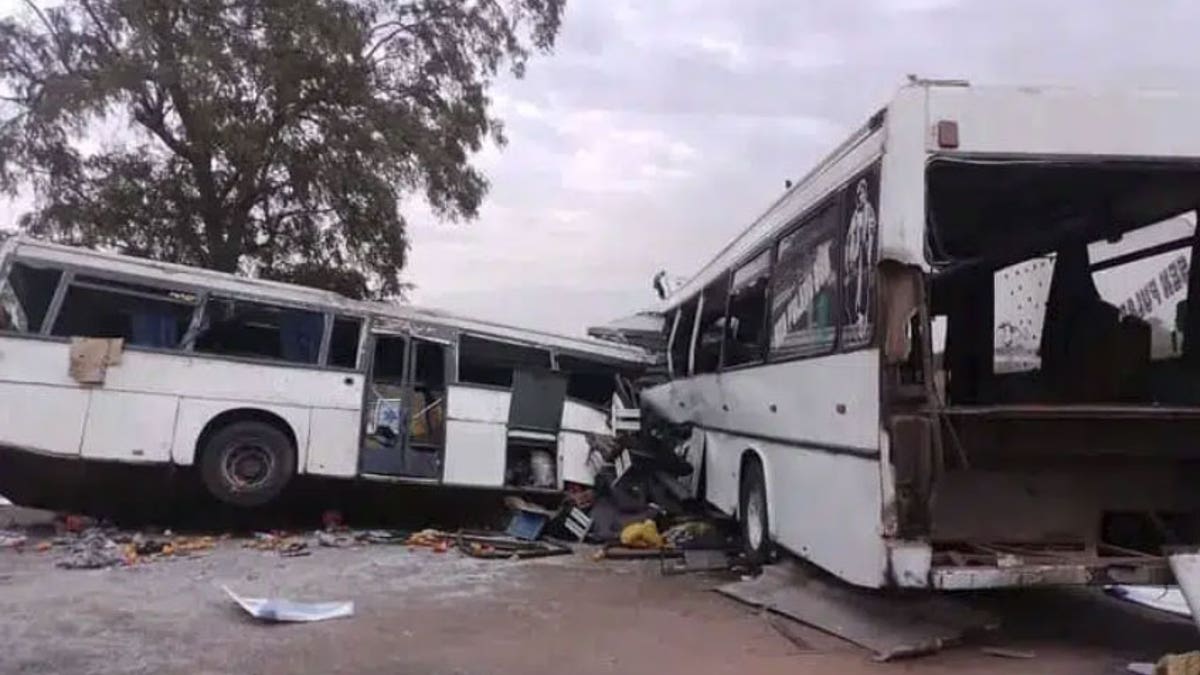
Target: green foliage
270, 137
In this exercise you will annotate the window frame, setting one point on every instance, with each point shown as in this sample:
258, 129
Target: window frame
722, 281
769, 250
458, 352
835, 202
203, 294
6, 268
60, 297
689, 352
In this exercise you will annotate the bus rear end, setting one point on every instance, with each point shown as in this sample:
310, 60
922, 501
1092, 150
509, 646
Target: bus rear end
1041, 366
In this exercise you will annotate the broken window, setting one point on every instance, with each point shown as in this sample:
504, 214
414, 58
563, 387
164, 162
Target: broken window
146, 316
251, 329
748, 311
711, 331
490, 362
25, 297
343, 342
588, 381
1063, 282
804, 307
681, 344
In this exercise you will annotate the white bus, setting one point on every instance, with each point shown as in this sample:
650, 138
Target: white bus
108, 358
957, 354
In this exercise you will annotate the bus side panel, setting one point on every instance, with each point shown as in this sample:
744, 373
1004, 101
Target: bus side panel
195, 414
474, 453
129, 427
815, 425
333, 443
41, 408
722, 465
827, 510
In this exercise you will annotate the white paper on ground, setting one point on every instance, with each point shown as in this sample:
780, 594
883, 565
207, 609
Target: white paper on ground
278, 609
1163, 598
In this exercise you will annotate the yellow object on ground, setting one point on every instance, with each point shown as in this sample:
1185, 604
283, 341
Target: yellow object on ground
641, 535
1178, 664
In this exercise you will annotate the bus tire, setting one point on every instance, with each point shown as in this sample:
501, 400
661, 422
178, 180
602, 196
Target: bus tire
752, 514
247, 463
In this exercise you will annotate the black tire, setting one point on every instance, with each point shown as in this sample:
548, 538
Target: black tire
247, 463
752, 514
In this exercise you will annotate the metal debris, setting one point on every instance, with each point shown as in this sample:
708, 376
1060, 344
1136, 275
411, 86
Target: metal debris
891, 626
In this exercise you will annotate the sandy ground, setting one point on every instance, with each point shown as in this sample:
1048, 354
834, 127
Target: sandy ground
420, 612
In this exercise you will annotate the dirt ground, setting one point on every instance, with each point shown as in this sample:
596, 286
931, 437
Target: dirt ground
420, 612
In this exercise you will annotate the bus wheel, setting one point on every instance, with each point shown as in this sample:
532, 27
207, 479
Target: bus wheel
247, 463
756, 531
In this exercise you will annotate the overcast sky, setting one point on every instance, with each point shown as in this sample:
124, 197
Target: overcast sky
660, 128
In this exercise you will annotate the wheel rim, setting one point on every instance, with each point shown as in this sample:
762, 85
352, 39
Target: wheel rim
754, 521
247, 466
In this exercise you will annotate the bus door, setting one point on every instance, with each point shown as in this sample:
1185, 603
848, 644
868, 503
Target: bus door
404, 415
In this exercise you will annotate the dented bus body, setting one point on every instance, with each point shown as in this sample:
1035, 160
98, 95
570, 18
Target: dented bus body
957, 354
253, 382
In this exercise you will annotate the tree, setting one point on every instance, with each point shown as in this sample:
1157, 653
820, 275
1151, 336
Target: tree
269, 137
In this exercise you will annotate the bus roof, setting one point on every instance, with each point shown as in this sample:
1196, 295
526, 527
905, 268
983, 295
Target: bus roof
395, 314
992, 123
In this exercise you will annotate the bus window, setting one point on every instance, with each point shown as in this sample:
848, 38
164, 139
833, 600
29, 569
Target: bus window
748, 311
681, 345
804, 288
238, 328
26, 296
343, 342
145, 316
712, 327
491, 362
587, 380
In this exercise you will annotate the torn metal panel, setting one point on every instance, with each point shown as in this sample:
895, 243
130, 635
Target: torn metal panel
892, 626
1021, 574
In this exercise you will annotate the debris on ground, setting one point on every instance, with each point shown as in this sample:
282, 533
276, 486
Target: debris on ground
698, 560
528, 519
282, 610
93, 550
286, 545
642, 534
99, 548
436, 540
1007, 653
494, 547
336, 539
890, 626
1163, 598
1171, 664
11, 539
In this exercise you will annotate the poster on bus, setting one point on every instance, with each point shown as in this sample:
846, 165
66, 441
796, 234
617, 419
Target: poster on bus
860, 253
804, 288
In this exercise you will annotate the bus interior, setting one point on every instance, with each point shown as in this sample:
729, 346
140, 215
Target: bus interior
1044, 389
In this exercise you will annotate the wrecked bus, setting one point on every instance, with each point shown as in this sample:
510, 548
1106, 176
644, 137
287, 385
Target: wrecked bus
108, 359
957, 354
